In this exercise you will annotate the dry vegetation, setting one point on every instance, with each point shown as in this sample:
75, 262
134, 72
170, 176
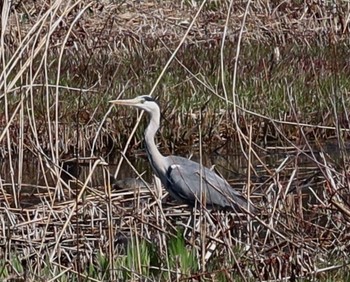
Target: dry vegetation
234, 78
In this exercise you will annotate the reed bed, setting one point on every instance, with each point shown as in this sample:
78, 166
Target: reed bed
266, 76
301, 231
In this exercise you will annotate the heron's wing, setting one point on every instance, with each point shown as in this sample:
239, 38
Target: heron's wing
187, 180
182, 183
219, 190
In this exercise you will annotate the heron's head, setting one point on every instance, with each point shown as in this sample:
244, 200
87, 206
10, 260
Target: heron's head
144, 102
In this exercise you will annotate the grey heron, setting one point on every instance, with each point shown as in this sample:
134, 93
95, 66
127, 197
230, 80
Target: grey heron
186, 181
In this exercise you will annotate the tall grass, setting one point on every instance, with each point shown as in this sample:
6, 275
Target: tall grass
280, 75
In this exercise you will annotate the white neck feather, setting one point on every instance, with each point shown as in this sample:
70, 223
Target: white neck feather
156, 159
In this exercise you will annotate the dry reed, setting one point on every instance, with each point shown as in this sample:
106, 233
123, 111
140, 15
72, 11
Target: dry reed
55, 229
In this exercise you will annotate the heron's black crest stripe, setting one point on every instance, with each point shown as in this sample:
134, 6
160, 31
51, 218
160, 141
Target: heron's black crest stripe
148, 98
151, 99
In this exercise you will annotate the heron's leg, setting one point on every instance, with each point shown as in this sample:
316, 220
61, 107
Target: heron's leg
190, 228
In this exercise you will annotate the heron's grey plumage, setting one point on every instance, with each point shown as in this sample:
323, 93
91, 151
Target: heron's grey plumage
186, 181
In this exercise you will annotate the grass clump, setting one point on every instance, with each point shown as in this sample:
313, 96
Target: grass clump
137, 262
11, 268
183, 260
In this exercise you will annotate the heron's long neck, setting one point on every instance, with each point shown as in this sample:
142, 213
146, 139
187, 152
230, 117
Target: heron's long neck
154, 156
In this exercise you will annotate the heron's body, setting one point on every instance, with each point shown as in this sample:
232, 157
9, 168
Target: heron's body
185, 180
205, 185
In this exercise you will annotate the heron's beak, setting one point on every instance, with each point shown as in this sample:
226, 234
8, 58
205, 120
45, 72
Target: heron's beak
126, 102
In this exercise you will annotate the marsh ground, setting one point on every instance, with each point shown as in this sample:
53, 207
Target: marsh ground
244, 78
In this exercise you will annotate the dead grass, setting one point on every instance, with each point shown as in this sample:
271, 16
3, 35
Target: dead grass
63, 61
301, 230
128, 24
